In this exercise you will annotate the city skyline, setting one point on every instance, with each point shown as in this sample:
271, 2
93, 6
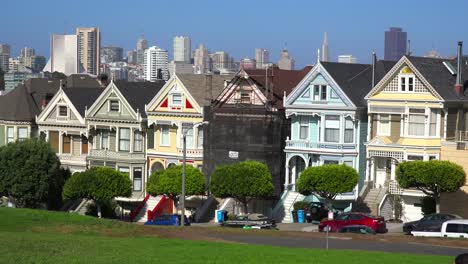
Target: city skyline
360, 37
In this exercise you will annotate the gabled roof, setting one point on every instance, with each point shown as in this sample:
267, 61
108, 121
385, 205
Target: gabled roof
280, 81
356, 79
138, 94
196, 84
83, 98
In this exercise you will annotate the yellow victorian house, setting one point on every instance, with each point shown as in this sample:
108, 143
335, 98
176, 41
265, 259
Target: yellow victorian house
177, 109
411, 111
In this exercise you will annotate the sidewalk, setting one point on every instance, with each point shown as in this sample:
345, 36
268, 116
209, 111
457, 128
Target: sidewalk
301, 227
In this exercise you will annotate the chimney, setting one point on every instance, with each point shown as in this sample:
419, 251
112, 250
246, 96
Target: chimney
208, 89
374, 65
459, 84
43, 104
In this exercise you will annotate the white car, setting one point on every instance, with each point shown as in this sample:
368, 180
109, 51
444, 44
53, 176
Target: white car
457, 228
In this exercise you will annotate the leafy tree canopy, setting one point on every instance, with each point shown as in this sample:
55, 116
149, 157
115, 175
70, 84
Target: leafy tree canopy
169, 182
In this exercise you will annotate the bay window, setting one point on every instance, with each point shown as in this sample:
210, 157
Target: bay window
124, 139
349, 130
66, 142
303, 127
137, 179
104, 139
383, 128
165, 135
200, 137
138, 141
188, 131
416, 122
433, 122
22, 133
10, 134
332, 128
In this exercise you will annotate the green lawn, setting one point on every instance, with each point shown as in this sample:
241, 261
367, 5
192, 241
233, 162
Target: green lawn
33, 236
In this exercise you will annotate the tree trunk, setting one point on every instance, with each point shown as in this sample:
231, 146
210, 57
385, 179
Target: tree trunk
98, 207
437, 200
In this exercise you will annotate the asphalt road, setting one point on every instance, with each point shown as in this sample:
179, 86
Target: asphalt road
344, 243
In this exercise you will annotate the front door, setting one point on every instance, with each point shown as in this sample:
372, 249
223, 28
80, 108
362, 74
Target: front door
382, 171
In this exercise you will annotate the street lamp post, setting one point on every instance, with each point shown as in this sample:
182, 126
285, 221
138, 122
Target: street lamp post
184, 157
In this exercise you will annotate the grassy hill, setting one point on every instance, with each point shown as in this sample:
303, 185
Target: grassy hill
35, 236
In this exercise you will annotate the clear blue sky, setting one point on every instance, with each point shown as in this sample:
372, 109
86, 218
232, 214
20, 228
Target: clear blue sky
238, 27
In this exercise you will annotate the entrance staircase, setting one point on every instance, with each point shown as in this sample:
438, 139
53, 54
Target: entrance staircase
372, 200
148, 204
282, 210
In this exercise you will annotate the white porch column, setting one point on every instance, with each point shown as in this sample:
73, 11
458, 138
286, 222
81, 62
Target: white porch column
372, 170
132, 136
117, 141
393, 170
369, 126
367, 170
60, 142
294, 175
286, 178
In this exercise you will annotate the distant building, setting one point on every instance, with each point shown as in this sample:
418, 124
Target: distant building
111, 54
433, 54
202, 60
35, 63
117, 71
395, 44
89, 45
156, 64
27, 52
142, 45
12, 79
262, 56
285, 62
221, 60
180, 68
248, 64
15, 65
64, 55
182, 49
347, 59
131, 57
325, 48
4, 57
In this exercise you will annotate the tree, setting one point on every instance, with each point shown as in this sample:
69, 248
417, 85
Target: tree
243, 181
169, 182
30, 174
98, 184
327, 181
431, 177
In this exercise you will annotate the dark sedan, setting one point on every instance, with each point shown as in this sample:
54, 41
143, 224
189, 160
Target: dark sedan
432, 222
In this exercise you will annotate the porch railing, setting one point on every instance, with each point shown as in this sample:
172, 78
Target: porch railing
305, 144
106, 154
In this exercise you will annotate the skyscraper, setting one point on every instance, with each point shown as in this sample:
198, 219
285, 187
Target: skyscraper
131, 57
325, 48
395, 44
111, 54
202, 60
156, 64
142, 45
64, 55
262, 56
182, 49
89, 46
4, 57
27, 52
285, 62
248, 64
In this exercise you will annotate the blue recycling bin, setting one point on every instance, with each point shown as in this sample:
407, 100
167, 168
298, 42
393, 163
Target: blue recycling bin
300, 216
220, 216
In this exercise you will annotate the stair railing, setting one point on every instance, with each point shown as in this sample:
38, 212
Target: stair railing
292, 204
278, 205
137, 210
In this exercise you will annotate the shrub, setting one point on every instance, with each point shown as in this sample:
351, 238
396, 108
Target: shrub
428, 205
300, 205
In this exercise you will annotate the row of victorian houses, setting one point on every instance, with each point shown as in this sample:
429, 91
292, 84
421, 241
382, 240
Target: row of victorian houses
368, 116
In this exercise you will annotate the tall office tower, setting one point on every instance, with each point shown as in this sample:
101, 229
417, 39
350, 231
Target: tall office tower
202, 60
219, 60
182, 49
285, 62
262, 56
142, 45
64, 55
89, 48
248, 64
325, 48
347, 59
156, 64
111, 54
395, 44
27, 52
4, 57
131, 57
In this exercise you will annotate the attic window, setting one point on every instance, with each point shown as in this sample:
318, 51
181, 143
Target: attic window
114, 106
245, 96
63, 111
177, 99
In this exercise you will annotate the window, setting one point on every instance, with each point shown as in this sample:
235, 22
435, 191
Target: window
165, 140
125, 170
138, 141
349, 130
177, 99
410, 84
188, 131
416, 123
403, 84
124, 139
332, 128
320, 93
22, 133
432, 157
245, 96
63, 110
137, 181
407, 82
114, 106
66, 144
348, 163
10, 134
384, 125
54, 140
452, 228
415, 157
327, 162
200, 137
465, 229
433, 122
104, 139
303, 127
84, 145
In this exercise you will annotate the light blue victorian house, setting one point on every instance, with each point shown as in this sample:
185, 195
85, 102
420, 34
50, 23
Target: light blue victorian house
328, 117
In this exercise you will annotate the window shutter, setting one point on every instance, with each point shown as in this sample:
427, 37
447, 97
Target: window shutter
150, 137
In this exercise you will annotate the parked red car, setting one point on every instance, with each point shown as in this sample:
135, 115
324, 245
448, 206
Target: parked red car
346, 219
